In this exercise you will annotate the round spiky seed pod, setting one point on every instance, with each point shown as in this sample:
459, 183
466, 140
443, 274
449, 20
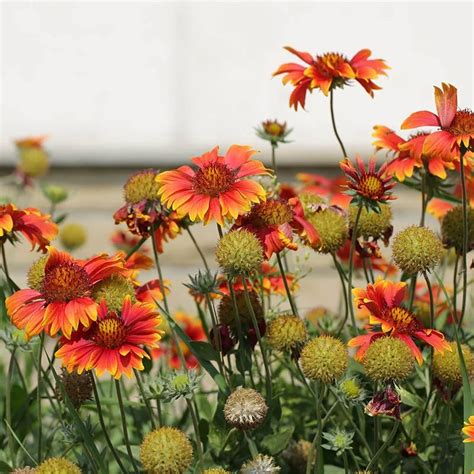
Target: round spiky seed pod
57, 466
72, 236
226, 312
260, 464
447, 365
239, 252
416, 249
245, 409
331, 227
287, 332
166, 450
324, 359
36, 273
371, 224
388, 358
78, 387
114, 290
452, 229
141, 186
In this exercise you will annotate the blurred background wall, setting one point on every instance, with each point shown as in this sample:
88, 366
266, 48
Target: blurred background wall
134, 83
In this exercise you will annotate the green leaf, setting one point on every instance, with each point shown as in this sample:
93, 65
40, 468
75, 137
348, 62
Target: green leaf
410, 399
277, 442
333, 470
205, 350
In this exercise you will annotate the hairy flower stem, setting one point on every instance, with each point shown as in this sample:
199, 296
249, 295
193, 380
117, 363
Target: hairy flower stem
145, 399
196, 429
424, 201
268, 376
333, 121
274, 165
135, 247
124, 425
8, 404
39, 385
351, 265
104, 428
465, 236
316, 445
201, 254
340, 272
384, 446
294, 309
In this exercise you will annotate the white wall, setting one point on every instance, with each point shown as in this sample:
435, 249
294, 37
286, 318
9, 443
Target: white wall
133, 82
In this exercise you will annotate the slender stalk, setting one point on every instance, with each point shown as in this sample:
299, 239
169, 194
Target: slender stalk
424, 201
455, 287
291, 300
274, 165
465, 237
341, 274
333, 121
384, 446
8, 403
39, 385
196, 429
201, 254
351, 265
104, 428
411, 298
346, 463
124, 426
135, 247
318, 436
268, 376
145, 399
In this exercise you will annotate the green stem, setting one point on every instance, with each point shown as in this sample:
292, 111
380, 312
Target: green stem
274, 165
135, 247
294, 309
316, 445
465, 236
145, 399
333, 121
268, 376
201, 254
38, 399
384, 446
351, 265
8, 404
341, 274
196, 429
104, 428
424, 201
124, 426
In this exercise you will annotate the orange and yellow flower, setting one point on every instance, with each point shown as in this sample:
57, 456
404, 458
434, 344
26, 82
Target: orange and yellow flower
274, 222
114, 342
383, 300
468, 430
371, 185
36, 227
455, 127
217, 189
330, 188
328, 71
62, 300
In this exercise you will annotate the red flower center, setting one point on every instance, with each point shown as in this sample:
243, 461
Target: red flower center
213, 179
110, 332
371, 186
327, 63
463, 123
403, 320
271, 213
65, 282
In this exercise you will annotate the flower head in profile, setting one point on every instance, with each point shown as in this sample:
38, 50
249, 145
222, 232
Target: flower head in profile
468, 430
36, 227
384, 300
114, 342
217, 188
368, 186
407, 155
60, 293
273, 131
274, 222
329, 71
387, 402
455, 127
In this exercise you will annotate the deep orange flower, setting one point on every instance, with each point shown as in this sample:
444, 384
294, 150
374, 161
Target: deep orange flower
274, 222
383, 300
62, 301
438, 207
36, 227
192, 326
456, 127
328, 71
217, 189
151, 291
408, 154
468, 430
113, 343
371, 185
330, 188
